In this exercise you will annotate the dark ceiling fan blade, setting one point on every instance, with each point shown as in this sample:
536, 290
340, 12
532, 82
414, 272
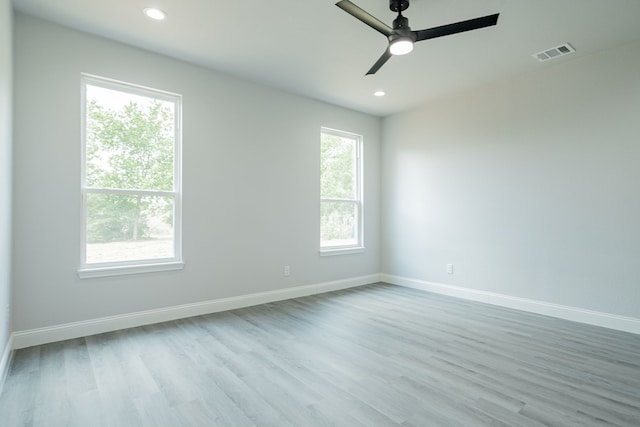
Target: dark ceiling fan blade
458, 27
380, 62
363, 16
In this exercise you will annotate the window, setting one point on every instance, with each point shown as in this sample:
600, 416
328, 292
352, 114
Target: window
131, 198
340, 192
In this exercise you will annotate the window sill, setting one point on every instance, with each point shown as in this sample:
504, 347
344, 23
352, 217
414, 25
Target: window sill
89, 273
341, 251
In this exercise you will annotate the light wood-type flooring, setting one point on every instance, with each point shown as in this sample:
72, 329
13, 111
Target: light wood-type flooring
377, 355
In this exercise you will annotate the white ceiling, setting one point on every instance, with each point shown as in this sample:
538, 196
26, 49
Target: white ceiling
312, 48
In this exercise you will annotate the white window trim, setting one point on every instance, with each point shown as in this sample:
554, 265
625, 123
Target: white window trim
359, 201
144, 265
342, 251
89, 273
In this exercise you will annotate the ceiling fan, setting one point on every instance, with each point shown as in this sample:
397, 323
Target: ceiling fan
401, 37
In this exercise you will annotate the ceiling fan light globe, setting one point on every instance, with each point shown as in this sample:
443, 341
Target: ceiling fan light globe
401, 46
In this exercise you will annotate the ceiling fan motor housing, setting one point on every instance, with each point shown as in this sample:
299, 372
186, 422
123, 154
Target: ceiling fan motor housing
398, 5
401, 23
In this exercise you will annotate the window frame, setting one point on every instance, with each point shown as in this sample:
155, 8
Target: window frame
144, 265
358, 201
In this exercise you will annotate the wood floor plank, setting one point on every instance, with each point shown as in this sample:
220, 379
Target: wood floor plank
377, 355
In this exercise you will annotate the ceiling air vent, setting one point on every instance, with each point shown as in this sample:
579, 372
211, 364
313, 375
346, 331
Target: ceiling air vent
553, 53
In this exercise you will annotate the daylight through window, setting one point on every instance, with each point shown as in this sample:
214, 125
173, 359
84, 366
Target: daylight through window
340, 191
130, 175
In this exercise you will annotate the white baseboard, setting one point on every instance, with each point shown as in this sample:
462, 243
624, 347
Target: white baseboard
28, 338
5, 362
85, 328
596, 318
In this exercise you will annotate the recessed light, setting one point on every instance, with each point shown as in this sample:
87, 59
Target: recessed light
379, 93
154, 13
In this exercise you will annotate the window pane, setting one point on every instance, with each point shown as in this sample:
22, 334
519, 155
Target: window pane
338, 171
129, 141
129, 227
338, 224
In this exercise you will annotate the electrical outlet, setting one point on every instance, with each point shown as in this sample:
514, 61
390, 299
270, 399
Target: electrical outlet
449, 268
287, 271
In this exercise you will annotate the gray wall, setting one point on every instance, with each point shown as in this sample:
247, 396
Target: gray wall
530, 187
250, 181
6, 67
